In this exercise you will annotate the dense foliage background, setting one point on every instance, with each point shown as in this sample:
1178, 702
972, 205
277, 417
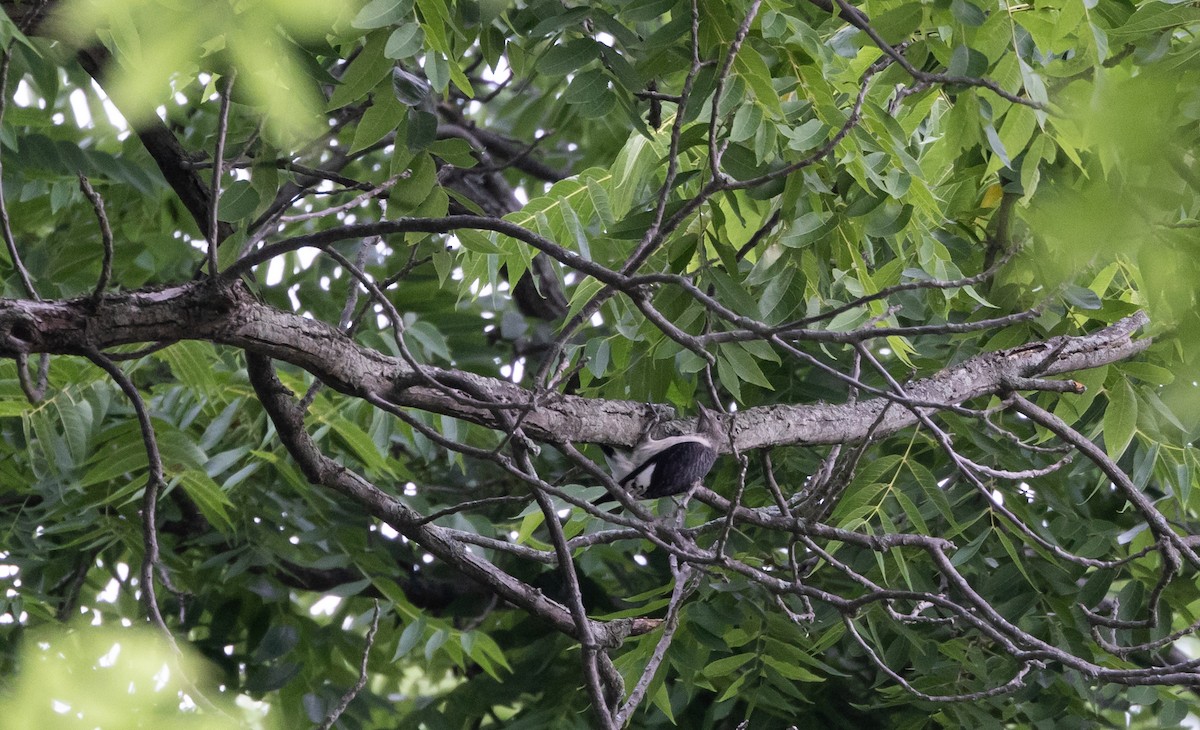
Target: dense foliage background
329, 417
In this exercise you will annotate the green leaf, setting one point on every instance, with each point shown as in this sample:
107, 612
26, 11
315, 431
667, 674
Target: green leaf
360, 443
806, 136
662, 700
1155, 17
898, 24
477, 241
745, 365
1148, 373
409, 638
566, 57
858, 501
379, 13
208, 496
589, 92
791, 671
238, 201
733, 689
728, 375
435, 642
967, 13
405, 41
129, 458
532, 520
583, 293
435, 20
384, 116
1082, 297
366, 71
750, 66
76, 420
911, 511
746, 122
1015, 557
484, 647
1120, 418
997, 144
728, 665
9, 408
457, 152
934, 493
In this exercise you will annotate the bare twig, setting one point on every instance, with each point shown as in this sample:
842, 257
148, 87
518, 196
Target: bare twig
347, 698
106, 237
346, 321
972, 478
34, 390
356, 202
684, 586
600, 698
858, 20
440, 542
218, 164
1135, 496
5, 225
715, 150
1008, 687
154, 485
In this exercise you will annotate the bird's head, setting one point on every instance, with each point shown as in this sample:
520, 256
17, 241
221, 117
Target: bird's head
710, 425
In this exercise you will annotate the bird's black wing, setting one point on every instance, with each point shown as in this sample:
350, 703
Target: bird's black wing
675, 469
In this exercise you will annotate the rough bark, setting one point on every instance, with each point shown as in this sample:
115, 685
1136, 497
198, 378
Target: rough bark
230, 315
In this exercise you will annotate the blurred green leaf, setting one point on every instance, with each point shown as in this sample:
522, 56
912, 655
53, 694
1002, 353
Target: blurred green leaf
1120, 418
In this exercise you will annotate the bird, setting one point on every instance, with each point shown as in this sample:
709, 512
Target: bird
668, 466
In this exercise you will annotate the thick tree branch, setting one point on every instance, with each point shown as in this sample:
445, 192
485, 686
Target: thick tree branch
230, 315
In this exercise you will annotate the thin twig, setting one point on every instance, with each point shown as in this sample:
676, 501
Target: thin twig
9, 241
1008, 687
106, 237
347, 698
943, 439
34, 390
346, 321
358, 200
1133, 495
566, 567
715, 152
743, 465
858, 20
218, 165
684, 586
154, 484
473, 504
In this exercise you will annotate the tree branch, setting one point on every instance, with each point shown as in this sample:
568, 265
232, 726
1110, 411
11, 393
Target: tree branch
230, 315
323, 471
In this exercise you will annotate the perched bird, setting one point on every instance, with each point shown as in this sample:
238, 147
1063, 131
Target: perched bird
667, 466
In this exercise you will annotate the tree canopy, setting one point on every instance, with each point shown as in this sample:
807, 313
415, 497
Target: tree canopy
316, 315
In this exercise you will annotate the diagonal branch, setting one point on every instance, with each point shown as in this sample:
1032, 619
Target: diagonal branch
324, 471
